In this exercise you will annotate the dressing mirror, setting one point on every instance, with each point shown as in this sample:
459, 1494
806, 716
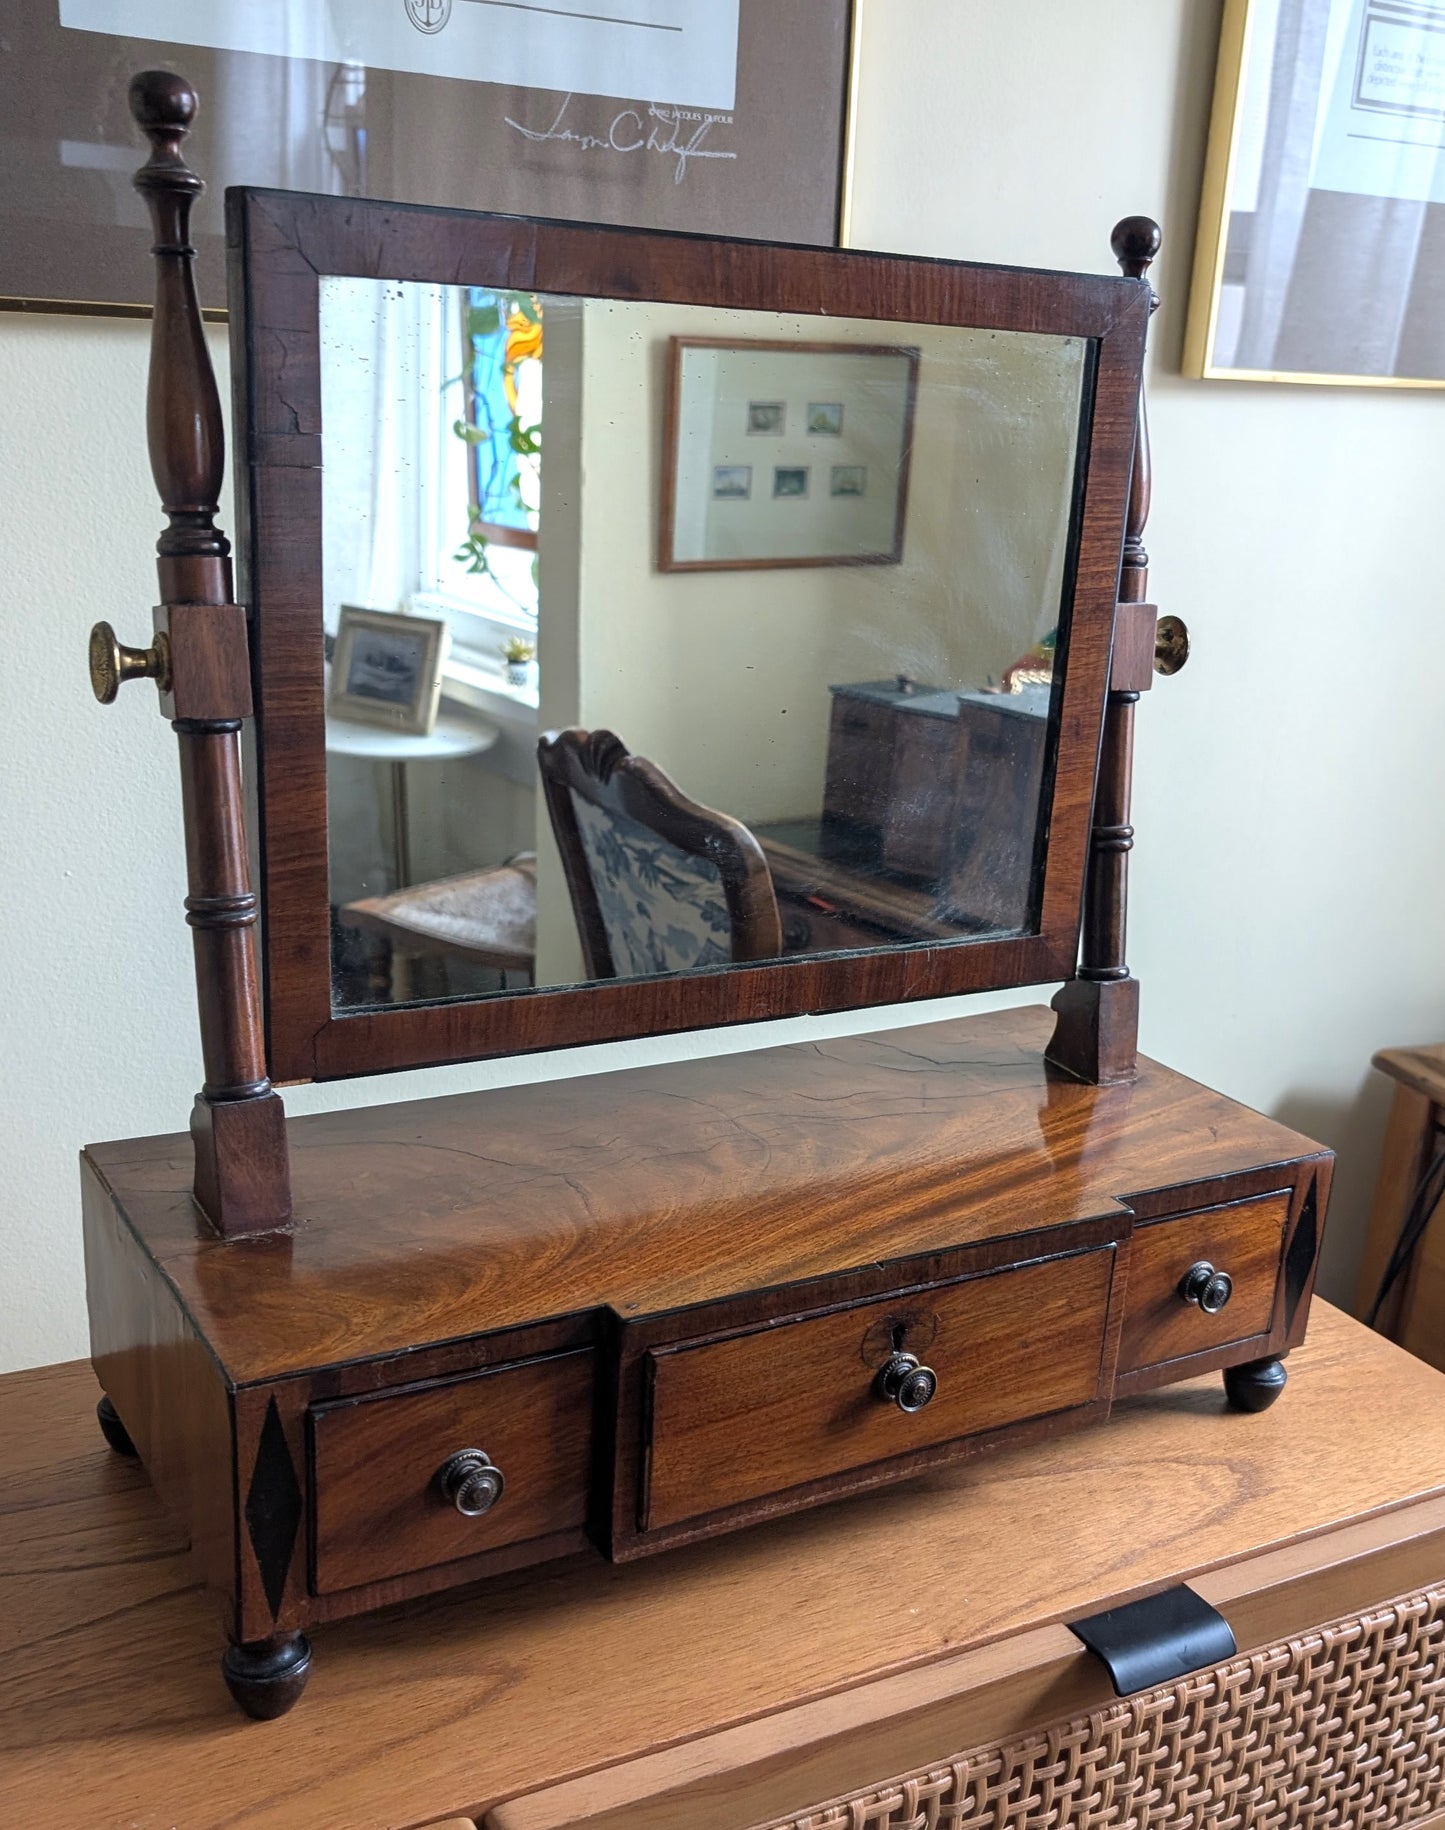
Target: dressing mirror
826, 565
654, 632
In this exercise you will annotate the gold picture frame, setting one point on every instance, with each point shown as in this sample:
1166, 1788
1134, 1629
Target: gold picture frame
387, 669
1254, 317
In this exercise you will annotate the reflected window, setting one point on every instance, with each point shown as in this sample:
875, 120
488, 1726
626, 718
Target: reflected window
492, 573
502, 350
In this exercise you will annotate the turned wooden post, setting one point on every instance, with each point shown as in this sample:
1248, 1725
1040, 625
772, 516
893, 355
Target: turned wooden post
1096, 1036
200, 662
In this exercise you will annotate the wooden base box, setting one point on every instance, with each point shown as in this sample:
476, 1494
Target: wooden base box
629, 1311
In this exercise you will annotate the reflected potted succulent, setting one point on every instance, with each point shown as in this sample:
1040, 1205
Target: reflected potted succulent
518, 655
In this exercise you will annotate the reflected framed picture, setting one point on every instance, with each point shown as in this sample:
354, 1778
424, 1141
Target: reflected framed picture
779, 453
1321, 249
387, 669
732, 482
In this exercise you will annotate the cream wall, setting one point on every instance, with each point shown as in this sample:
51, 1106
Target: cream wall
1289, 869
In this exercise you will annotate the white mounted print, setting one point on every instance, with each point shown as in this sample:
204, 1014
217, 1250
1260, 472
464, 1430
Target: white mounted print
785, 454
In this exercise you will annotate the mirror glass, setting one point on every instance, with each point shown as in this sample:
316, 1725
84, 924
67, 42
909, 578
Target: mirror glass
662, 637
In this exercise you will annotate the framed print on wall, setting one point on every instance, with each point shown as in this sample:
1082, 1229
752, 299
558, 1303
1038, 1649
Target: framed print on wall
661, 114
1321, 249
785, 454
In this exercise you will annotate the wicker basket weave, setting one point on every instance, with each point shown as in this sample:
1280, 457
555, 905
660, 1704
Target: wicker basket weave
1342, 1728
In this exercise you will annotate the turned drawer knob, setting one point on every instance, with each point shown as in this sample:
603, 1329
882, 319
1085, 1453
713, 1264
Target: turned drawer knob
907, 1384
1202, 1284
472, 1482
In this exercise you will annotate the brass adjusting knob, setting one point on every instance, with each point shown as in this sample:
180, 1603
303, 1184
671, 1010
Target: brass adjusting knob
1171, 645
472, 1482
1202, 1284
907, 1384
112, 663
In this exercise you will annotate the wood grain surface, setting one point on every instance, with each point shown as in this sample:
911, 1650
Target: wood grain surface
1098, 1029
240, 1167
426, 1222
112, 1711
1033, 1682
378, 1513
738, 1419
1420, 1068
1241, 1239
165, 1383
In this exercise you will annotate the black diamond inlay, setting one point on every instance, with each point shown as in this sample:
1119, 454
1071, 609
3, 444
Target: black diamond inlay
1300, 1258
273, 1507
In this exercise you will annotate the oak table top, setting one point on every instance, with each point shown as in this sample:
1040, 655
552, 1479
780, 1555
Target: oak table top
112, 1710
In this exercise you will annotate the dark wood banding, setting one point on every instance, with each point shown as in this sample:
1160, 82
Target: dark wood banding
1097, 1033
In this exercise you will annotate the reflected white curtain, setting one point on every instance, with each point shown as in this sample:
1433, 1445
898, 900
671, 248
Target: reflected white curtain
394, 497
389, 353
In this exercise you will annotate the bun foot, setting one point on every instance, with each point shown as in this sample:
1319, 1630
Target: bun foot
1255, 1385
113, 1430
267, 1676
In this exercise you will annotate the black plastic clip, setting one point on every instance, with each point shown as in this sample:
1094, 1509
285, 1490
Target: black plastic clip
1153, 1641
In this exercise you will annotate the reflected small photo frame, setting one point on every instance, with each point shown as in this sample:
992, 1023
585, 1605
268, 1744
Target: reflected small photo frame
848, 480
732, 482
387, 669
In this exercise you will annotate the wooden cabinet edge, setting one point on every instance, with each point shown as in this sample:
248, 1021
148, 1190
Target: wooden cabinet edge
788, 1760
170, 1393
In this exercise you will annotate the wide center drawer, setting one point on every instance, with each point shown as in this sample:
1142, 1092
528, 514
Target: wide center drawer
377, 1461
757, 1413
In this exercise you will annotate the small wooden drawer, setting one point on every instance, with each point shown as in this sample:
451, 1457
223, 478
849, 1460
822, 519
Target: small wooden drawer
1244, 1240
748, 1415
379, 1506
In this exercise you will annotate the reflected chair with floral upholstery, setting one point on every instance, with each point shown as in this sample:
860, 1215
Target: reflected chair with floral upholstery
658, 882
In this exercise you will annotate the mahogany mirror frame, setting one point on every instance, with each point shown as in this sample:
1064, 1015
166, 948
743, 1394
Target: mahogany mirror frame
280, 245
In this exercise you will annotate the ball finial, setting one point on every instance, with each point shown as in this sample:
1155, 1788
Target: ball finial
164, 106
162, 102
1135, 242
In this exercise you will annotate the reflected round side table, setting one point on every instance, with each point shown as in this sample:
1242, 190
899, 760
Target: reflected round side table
455, 734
